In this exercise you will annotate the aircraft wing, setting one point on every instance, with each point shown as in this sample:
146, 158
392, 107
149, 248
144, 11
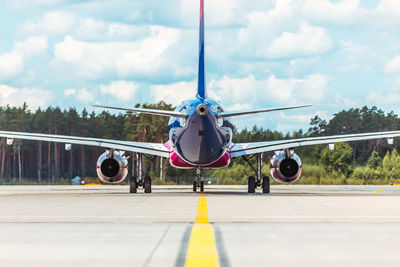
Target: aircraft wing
156, 149
259, 147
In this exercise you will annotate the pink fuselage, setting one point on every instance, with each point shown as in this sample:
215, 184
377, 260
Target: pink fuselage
178, 162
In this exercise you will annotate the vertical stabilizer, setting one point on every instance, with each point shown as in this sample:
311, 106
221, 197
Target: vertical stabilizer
201, 89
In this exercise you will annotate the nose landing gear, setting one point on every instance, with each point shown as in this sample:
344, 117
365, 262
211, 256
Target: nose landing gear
197, 182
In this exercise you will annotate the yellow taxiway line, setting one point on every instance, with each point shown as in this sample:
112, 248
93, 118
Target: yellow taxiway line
202, 250
378, 191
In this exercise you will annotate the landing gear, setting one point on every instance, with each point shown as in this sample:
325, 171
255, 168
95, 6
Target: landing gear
266, 185
194, 185
145, 183
133, 185
252, 183
197, 182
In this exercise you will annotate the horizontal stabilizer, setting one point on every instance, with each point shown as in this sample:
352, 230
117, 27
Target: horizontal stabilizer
241, 113
147, 111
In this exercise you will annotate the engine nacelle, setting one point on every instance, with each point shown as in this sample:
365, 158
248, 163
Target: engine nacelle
112, 169
286, 167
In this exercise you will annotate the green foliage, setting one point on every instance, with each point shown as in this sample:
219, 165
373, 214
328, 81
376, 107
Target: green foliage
375, 161
338, 160
312, 174
234, 175
361, 163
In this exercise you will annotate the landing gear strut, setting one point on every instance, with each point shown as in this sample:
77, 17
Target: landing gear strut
144, 183
252, 183
197, 182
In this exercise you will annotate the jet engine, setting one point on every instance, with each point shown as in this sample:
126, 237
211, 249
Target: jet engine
285, 167
112, 167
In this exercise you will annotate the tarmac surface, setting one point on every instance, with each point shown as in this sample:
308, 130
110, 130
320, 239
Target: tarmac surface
293, 226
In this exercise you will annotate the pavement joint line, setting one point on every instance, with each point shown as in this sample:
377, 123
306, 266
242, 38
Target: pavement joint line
156, 246
202, 249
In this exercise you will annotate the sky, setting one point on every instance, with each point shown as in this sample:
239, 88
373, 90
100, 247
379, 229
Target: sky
333, 54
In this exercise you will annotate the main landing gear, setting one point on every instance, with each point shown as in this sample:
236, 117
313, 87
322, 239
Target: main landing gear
197, 182
145, 183
252, 183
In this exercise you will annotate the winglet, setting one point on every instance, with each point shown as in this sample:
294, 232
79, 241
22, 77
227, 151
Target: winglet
201, 88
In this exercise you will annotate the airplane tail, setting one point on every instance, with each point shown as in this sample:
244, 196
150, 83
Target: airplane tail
201, 88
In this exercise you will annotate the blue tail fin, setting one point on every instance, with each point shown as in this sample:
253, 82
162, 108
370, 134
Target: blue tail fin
201, 89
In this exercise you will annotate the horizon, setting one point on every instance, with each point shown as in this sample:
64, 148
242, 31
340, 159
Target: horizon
98, 111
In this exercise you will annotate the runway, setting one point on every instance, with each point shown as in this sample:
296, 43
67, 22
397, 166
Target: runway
294, 226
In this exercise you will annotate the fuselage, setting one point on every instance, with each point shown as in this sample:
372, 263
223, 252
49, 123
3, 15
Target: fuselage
201, 140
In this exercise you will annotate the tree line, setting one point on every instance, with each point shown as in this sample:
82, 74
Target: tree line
44, 162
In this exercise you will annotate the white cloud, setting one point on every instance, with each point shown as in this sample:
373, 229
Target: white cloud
141, 59
70, 92
12, 63
393, 65
91, 29
290, 123
388, 96
55, 22
122, 90
308, 41
84, 29
32, 46
36, 3
281, 32
217, 13
389, 9
264, 26
234, 90
34, 98
272, 91
173, 93
339, 12
84, 96
151, 54
383, 98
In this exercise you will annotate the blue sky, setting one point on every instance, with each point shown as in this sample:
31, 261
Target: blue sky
332, 54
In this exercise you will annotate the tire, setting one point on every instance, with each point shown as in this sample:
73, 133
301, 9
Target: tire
133, 185
147, 185
251, 185
202, 186
266, 185
194, 186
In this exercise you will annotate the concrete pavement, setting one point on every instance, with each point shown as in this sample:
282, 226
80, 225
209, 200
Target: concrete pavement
104, 225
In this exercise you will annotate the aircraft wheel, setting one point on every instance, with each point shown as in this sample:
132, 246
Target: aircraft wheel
147, 185
133, 185
266, 185
194, 186
251, 184
202, 186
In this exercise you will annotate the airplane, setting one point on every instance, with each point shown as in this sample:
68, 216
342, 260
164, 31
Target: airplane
200, 137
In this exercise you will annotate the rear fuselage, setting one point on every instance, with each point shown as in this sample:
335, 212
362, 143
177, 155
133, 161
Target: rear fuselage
201, 140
